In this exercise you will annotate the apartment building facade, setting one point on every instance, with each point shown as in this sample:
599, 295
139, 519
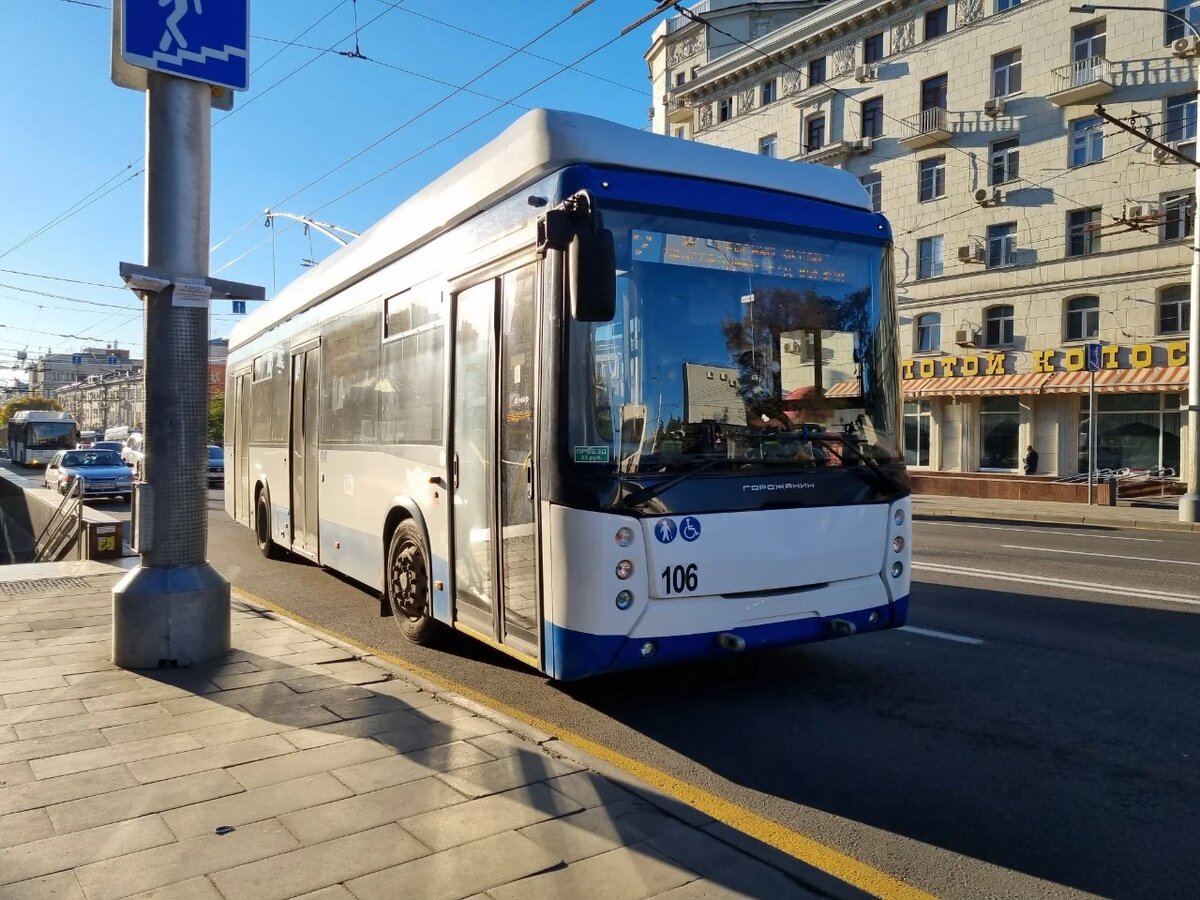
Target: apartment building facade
1026, 226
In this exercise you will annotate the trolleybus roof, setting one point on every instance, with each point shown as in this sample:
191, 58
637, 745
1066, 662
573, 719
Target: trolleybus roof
540, 142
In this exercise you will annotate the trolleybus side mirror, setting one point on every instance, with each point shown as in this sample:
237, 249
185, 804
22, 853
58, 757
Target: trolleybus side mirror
592, 276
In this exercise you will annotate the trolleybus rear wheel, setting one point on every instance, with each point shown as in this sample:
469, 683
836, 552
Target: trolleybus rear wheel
262, 529
407, 585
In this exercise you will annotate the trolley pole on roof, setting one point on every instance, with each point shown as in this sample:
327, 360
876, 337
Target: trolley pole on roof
173, 608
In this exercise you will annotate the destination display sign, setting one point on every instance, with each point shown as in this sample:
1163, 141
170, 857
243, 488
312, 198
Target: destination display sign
733, 256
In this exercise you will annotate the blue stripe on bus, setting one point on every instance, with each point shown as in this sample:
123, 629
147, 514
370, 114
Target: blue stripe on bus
724, 199
575, 654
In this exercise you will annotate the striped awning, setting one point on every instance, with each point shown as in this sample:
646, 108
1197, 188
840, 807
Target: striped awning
1120, 381
975, 385
849, 388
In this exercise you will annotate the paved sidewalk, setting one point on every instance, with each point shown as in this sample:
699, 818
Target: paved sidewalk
294, 769
1120, 516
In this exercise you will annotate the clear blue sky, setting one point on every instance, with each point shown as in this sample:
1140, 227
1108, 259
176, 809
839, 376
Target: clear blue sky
71, 137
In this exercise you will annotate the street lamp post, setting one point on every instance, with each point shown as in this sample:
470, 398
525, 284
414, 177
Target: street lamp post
1189, 503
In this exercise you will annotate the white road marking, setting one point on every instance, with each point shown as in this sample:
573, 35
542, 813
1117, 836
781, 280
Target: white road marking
1102, 537
941, 635
1128, 593
1169, 562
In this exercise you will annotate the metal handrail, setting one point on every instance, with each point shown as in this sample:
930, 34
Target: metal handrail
926, 121
64, 528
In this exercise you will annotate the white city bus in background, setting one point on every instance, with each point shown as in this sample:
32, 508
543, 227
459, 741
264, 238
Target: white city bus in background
598, 397
35, 435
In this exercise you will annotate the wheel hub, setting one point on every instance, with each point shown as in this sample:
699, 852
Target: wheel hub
408, 583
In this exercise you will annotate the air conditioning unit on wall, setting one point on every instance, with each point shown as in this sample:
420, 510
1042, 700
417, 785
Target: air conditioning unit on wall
993, 107
988, 196
966, 337
864, 73
972, 253
862, 145
1184, 47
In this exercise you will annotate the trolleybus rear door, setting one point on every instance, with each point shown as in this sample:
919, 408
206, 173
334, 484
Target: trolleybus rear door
305, 468
241, 441
493, 453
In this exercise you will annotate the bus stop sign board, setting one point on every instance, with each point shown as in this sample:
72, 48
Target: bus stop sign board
204, 40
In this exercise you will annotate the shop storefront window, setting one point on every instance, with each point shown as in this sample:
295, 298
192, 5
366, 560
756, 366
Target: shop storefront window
999, 431
1133, 431
918, 426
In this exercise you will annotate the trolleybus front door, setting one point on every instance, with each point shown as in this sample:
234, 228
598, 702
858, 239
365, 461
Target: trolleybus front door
496, 586
306, 371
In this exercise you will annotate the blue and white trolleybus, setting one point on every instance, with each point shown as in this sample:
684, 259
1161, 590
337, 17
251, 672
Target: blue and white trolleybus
597, 397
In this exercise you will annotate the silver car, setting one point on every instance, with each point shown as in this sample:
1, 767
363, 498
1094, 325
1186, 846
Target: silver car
102, 473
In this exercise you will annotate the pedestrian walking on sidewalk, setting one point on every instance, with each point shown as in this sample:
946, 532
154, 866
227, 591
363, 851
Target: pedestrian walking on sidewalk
1031, 460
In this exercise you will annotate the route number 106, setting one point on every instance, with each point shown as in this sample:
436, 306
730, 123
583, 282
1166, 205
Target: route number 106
677, 579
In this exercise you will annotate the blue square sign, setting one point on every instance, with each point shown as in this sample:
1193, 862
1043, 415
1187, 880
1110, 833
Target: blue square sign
204, 40
1094, 359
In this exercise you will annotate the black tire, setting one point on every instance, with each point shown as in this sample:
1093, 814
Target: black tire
406, 585
262, 529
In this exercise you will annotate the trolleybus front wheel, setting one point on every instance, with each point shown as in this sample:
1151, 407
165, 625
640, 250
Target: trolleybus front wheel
407, 585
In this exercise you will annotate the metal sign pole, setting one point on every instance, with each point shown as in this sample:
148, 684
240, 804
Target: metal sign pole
173, 609
1091, 436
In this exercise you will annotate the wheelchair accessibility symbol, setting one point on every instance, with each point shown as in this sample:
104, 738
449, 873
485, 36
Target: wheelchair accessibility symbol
689, 528
665, 531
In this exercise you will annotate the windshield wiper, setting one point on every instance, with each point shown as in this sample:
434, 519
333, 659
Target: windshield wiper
641, 495
886, 478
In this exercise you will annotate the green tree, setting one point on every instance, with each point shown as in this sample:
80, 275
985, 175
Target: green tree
13, 406
216, 420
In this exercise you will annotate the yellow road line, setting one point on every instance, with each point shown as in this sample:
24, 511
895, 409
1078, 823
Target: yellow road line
833, 862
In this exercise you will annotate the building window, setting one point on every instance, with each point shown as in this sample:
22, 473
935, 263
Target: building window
1002, 5
814, 133
1083, 231
1006, 73
695, 70
681, 132
725, 109
935, 23
998, 326
1190, 10
918, 427
929, 257
680, 79
929, 332
999, 432
1083, 318
1179, 123
933, 92
872, 117
1134, 431
1174, 309
873, 48
931, 178
1002, 245
1005, 160
1177, 216
767, 92
1087, 41
874, 186
768, 146
816, 71
1087, 141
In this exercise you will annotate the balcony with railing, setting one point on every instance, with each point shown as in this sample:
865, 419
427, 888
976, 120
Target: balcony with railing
1081, 81
928, 127
679, 111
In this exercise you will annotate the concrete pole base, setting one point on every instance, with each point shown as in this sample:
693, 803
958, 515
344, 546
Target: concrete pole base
176, 616
1189, 508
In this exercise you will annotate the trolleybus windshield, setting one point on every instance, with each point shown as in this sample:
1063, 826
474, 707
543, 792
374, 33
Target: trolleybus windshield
739, 344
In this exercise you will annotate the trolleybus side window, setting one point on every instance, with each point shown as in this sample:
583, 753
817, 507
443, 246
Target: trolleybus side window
350, 356
411, 373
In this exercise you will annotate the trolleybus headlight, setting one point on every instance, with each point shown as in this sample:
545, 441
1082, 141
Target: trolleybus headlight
624, 569
648, 649
897, 543
873, 616
897, 569
898, 517
624, 600
624, 536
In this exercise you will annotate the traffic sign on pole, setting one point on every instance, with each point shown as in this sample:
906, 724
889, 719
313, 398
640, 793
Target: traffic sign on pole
204, 40
1094, 357
77, 360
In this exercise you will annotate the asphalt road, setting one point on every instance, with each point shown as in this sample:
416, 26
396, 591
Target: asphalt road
1038, 736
